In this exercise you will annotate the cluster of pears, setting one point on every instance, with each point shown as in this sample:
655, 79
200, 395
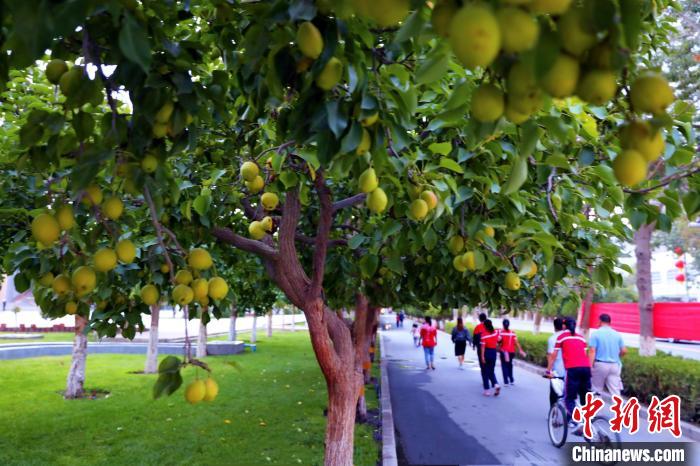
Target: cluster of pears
250, 172
465, 260
310, 44
259, 228
640, 140
189, 288
423, 205
164, 125
201, 390
368, 183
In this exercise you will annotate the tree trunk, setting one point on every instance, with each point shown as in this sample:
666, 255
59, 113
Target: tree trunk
585, 325
202, 340
254, 330
76, 374
538, 322
642, 250
294, 325
340, 429
232, 325
152, 351
269, 324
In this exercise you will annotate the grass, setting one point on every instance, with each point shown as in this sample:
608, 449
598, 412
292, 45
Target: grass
269, 411
48, 336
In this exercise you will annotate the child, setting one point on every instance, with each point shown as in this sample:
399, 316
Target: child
416, 335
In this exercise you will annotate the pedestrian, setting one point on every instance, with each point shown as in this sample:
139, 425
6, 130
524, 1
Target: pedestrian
428, 338
476, 341
402, 316
509, 343
460, 337
558, 366
415, 331
398, 319
605, 349
578, 367
489, 354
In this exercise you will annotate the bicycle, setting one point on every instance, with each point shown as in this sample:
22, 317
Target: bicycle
558, 421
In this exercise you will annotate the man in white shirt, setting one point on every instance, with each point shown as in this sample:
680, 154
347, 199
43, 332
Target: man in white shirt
558, 367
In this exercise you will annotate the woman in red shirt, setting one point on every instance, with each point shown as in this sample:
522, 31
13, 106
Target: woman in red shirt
509, 343
428, 337
489, 354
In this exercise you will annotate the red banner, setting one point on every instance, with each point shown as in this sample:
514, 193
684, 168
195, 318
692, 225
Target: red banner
671, 320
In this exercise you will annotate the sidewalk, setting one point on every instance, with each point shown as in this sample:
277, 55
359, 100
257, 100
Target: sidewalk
441, 417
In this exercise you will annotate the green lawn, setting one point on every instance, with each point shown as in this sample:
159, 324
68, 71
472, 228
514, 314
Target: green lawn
53, 336
269, 411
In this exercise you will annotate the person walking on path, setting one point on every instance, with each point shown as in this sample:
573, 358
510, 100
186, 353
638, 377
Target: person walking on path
558, 366
476, 341
415, 333
509, 343
489, 354
605, 349
398, 320
578, 367
428, 338
460, 337
402, 316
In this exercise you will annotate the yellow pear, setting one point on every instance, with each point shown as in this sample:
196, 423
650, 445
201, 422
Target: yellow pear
46, 280
442, 15
150, 295
71, 307
489, 231
597, 86
183, 295
165, 112
551, 7
519, 29
419, 209
573, 32
430, 198
65, 217
149, 164
641, 136
330, 75
309, 40
377, 201
469, 260
651, 93
199, 259
368, 181
195, 392
113, 208
369, 121
365, 143
455, 245
183, 277
512, 281
126, 251
92, 195
630, 167
269, 201
105, 259
528, 268
84, 280
513, 115
211, 389
218, 288
256, 185
267, 223
61, 284
387, 13
256, 230
45, 229
458, 264
487, 103
55, 69
160, 130
524, 94
562, 77
200, 288
475, 36
249, 171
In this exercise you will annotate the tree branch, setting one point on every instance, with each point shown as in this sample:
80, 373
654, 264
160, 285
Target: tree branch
550, 187
349, 202
323, 230
227, 236
159, 231
691, 170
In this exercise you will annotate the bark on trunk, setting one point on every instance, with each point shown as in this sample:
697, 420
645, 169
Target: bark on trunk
202, 340
152, 351
642, 244
340, 430
232, 325
76, 374
294, 325
254, 330
585, 325
538, 322
269, 324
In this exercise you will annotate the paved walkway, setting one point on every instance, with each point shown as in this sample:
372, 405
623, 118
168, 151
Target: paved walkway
441, 416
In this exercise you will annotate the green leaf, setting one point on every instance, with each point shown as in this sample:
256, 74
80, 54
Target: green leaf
442, 148
430, 239
433, 67
691, 203
518, 175
356, 241
530, 134
201, 204
289, 179
133, 42
368, 265
450, 164
337, 121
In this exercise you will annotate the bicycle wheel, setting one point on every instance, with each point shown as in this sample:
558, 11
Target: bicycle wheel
603, 435
557, 424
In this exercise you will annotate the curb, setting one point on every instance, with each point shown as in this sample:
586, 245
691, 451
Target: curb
389, 457
689, 430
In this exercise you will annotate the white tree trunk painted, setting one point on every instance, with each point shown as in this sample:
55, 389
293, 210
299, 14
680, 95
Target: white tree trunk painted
538, 322
254, 330
76, 374
294, 324
269, 324
152, 350
202, 340
232, 326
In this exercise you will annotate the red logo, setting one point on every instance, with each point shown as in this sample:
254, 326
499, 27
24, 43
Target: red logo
587, 412
665, 415
626, 415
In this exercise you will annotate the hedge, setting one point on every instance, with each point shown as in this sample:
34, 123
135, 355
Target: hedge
643, 377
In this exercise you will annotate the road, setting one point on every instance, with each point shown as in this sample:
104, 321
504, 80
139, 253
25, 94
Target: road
441, 416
